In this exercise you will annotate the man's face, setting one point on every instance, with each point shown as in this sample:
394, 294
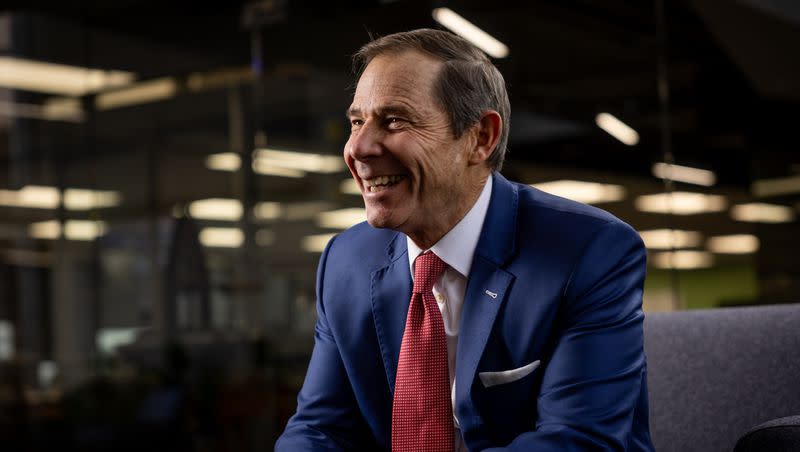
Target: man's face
412, 172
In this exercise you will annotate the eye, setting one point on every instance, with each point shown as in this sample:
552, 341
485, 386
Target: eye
394, 122
356, 123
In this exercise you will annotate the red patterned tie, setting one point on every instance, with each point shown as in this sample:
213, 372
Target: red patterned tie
422, 414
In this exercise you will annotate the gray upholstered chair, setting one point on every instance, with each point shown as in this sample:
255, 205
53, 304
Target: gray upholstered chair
714, 374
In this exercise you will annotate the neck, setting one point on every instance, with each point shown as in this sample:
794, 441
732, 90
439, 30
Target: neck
434, 230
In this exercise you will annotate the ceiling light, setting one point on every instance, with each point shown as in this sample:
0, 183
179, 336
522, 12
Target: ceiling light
225, 161
758, 212
664, 239
83, 199
35, 111
316, 243
683, 260
31, 75
222, 237
302, 161
733, 244
467, 30
108, 340
681, 203
586, 192
83, 230
31, 196
46, 197
684, 174
45, 230
140, 93
775, 187
268, 210
216, 209
349, 187
63, 108
341, 219
617, 128
266, 168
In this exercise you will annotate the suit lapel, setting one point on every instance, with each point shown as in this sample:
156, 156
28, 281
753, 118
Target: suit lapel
486, 289
390, 291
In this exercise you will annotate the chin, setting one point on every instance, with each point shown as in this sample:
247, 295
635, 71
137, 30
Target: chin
382, 221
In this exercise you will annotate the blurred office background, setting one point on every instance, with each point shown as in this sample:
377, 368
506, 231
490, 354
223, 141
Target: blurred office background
172, 170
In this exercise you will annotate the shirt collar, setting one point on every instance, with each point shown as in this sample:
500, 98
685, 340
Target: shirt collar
457, 247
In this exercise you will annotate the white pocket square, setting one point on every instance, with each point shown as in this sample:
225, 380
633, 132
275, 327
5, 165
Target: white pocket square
490, 379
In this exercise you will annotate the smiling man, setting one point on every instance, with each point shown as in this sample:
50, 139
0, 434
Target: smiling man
470, 313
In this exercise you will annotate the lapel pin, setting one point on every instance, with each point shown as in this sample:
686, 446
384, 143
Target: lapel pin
490, 293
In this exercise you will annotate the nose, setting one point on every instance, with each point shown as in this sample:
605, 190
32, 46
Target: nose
366, 142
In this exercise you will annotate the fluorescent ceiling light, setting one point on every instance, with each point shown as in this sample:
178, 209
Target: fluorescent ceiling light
342, 218
775, 187
265, 237
216, 209
83, 199
46, 373
109, 339
31, 196
617, 128
586, 192
45, 230
467, 30
222, 237
683, 260
140, 93
266, 168
684, 174
224, 161
63, 108
758, 212
220, 78
46, 197
38, 76
349, 187
664, 239
45, 112
268, 210
733, 244
316, 243
83, 230
299, 161
681, 203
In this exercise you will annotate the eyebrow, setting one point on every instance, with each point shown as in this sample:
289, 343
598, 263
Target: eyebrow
382, 111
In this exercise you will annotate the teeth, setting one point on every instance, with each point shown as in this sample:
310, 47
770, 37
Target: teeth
382, 180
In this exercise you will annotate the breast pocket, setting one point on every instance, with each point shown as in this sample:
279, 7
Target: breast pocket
495, 378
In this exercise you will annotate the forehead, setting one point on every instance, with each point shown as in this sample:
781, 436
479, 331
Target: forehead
403, 80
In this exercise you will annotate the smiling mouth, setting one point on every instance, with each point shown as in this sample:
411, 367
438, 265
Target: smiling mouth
381, 183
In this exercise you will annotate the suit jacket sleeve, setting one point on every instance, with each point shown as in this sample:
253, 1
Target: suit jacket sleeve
592, 384
327, 417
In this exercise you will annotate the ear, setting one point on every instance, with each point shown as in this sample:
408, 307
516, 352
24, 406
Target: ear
487, 133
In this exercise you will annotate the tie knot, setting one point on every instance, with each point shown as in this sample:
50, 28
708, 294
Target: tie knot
427, 269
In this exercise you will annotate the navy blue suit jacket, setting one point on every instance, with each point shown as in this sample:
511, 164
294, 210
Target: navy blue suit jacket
567, 283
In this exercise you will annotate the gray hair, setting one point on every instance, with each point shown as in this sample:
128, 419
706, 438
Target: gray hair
468, 85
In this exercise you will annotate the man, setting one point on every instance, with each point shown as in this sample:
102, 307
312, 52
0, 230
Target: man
530, 337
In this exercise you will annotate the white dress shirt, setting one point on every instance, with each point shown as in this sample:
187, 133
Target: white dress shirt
456, 249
